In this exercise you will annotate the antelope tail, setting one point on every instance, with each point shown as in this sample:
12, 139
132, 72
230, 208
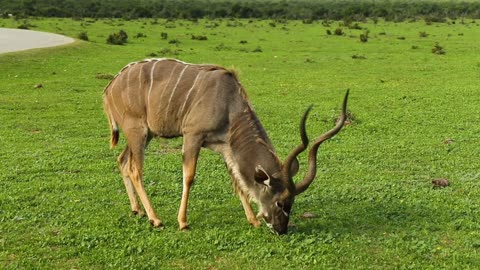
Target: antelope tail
114, 134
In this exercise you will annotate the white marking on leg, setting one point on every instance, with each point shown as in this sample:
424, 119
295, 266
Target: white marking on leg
173, 91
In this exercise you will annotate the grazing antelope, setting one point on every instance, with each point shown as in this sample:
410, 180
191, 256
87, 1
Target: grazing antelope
208, 106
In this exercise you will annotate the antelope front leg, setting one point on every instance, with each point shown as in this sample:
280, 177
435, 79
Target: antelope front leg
249, 211
191, 149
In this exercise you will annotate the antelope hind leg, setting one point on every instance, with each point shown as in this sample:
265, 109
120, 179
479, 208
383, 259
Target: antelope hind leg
132, 196
137, 139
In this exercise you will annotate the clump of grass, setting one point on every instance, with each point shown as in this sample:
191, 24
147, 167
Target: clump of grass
164, 35
168, 51
140, 35
423, 34
222, 47
350, 120
118, 38
401, 38
25, 25
83, 36
257, 50
174, 41
243, 42
199, 37
104, 76
437, 49
414, 47
329, 32
359, 57
234, 24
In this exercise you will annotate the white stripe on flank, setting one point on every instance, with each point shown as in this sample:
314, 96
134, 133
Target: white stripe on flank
151, 82
190, 91
173, 91
140, 78
111, 96
128, 81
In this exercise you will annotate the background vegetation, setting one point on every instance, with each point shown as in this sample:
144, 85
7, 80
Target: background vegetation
415, 117
396, 10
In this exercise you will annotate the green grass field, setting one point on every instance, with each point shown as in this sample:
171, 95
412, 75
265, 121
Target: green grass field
416, 117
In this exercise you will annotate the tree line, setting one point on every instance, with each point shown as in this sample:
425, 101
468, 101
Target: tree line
392, 10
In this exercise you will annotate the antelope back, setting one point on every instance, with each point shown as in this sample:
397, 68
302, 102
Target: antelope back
173, 97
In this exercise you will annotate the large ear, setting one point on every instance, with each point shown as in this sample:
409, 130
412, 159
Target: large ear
294, 167
261, 176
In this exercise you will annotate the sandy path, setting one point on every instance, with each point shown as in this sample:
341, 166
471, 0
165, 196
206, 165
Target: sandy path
12, 40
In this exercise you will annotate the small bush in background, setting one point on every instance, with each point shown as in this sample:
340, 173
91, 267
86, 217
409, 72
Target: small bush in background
423, 34
83, 36
119, 38
339, 32
437, 49
364, 36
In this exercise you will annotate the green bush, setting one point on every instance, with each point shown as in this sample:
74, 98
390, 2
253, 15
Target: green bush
83, 36
119, 38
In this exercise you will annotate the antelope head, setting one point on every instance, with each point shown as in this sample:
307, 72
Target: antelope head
276, 199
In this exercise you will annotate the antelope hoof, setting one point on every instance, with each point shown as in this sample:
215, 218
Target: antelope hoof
255, 223
184, 228
157, 223
139, 213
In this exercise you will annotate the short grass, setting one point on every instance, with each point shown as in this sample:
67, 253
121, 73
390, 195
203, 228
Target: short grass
416, 118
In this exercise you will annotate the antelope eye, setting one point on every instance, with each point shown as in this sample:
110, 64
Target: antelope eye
279, 204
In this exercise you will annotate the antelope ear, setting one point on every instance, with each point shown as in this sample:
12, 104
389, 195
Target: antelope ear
293, 170
261, 176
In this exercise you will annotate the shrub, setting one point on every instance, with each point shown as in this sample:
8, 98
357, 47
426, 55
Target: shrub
119, 38
355, 26
23, 26
364, 36
339, 31
437, 49
83, 36
307, 21
174, 41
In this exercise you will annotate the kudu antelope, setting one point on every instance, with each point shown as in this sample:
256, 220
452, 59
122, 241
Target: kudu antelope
208, 106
